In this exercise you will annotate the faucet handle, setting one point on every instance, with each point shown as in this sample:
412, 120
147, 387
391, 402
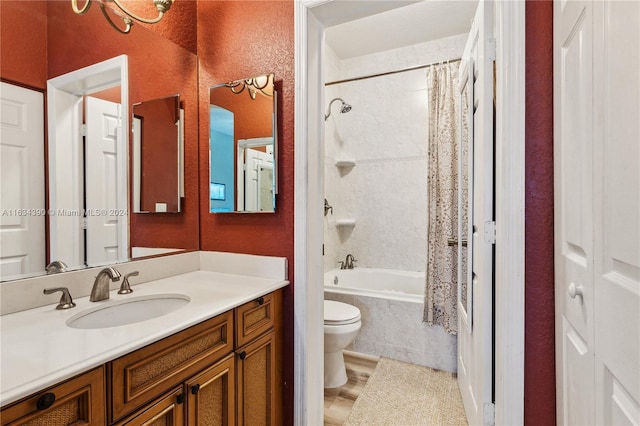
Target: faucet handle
341, 262
125, 288
66, 302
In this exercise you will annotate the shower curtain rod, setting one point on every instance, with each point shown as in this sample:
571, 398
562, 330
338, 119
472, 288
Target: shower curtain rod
391, 72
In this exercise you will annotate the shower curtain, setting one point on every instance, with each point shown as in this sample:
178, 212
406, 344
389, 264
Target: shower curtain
441, 290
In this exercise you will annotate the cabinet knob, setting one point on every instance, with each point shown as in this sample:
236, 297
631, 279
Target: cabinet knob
195, 389
46, 401
242, 355
180, 398
260, 300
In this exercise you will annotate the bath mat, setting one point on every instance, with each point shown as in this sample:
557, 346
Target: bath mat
401, 394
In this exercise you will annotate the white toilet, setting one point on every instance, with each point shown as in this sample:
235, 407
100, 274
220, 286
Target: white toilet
341, 325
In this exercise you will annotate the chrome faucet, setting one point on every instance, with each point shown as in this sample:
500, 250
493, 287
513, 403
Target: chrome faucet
100, 290
56, 266
348, 262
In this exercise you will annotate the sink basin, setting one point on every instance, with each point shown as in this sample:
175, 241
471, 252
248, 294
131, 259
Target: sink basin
128, 311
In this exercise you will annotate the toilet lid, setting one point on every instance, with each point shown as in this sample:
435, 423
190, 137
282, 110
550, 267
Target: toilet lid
336, 313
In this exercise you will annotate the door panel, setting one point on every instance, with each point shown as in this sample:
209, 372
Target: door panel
102, 201
22, 231
577, 368
617, 213
597, 188
475, 329
574, 213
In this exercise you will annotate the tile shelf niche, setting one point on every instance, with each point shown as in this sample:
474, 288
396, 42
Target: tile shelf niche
345, 223
345, 163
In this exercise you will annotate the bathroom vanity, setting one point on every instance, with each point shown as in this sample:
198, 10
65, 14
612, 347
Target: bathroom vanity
215, 360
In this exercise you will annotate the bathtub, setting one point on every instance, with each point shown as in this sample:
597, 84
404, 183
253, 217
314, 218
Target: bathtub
387, 283
391, 305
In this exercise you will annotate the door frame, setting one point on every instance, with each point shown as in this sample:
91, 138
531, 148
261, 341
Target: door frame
103, 75
308, 231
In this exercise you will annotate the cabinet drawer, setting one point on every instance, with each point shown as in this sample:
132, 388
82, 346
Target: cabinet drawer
145, 374
254, 318
78, 402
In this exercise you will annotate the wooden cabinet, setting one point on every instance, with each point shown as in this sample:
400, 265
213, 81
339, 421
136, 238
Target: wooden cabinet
197, 377
168, 410
254, 318
208, 398
259, 377
77, 402
211, 395
141, 376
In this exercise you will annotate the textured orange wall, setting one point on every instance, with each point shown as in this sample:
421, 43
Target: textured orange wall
240, 39
157, 68
178, 24
23, 38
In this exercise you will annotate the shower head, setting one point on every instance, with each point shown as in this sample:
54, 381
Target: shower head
343, 109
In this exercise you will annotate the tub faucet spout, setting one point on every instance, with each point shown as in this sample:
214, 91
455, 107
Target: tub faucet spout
349, 261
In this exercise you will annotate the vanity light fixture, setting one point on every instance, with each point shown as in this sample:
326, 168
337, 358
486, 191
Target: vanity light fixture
253, 85
127, 16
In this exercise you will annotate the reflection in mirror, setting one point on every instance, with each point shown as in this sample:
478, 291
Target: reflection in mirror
464, 161
243, 146
157, 150
88, 203
55, 189
22, 199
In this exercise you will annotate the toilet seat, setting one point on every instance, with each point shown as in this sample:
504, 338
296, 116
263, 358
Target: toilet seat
338, 313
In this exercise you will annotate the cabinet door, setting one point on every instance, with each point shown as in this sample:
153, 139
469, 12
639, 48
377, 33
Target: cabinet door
141, 376
211, 395
78, 402
168, 411
258, 378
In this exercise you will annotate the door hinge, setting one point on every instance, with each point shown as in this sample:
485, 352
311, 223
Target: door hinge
489, 414
83, 223
83, 130
490, 232
491, 49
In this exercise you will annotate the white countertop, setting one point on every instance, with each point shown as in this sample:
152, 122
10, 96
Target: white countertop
38, 349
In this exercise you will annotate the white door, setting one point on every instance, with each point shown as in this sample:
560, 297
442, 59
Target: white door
105, 208
265, 185
22, 232
475, 322
255, 161
597, 209
574, 212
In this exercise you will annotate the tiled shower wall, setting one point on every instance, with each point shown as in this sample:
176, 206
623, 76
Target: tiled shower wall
385, 192
386, 134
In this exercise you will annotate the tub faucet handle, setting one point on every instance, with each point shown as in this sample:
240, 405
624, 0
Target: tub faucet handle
341, 262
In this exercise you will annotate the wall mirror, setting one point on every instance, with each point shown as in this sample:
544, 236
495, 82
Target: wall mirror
157, 150
84, 208
243, 146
